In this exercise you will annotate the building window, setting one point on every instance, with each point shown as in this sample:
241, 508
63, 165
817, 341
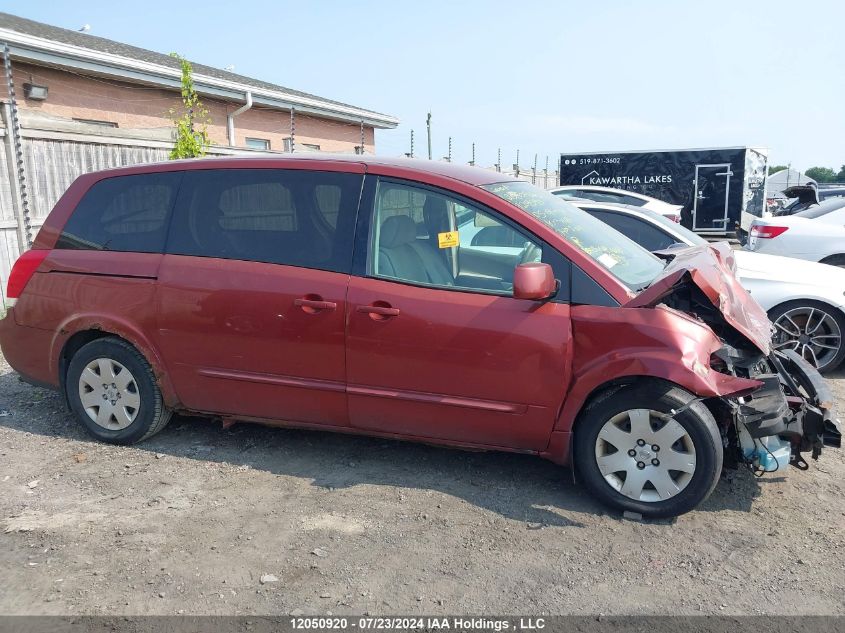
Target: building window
258, 143
96, 122
311, 147
359, 149
288, 144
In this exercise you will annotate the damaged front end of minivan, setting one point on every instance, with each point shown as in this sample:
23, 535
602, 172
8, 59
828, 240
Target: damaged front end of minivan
790, 412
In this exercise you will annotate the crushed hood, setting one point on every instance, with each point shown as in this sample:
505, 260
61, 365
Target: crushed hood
711, 268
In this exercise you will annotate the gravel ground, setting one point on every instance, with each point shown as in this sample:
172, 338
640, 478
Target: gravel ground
201, 520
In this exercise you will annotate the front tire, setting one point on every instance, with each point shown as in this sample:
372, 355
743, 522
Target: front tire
113, 392
811, 329
634, 454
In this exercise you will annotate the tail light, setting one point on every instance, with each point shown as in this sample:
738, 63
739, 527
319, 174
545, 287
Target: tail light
767, 232
674, 218
23, 270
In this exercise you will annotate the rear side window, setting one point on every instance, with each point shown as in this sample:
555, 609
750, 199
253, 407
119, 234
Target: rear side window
649, 237
124, 213
278, 216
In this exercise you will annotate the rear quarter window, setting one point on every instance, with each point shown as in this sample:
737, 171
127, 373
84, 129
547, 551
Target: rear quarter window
124, 213
649, 237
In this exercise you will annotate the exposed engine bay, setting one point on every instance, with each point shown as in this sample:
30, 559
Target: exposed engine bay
788, 416
790, 413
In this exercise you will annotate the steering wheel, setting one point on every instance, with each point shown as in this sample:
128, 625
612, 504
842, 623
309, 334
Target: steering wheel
530, 254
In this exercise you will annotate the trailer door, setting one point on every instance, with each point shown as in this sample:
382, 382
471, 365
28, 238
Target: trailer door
712, 188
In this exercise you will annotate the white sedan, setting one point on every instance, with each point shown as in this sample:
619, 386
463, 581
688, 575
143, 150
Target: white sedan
618, 196
805, 300
817, 234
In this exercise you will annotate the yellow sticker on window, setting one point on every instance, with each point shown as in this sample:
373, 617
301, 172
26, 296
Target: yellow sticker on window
448, 239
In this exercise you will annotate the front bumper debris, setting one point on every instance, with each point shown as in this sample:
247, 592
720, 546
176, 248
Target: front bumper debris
794, 404
818, 419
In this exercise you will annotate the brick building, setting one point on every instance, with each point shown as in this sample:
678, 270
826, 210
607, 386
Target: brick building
77, 103
94, 81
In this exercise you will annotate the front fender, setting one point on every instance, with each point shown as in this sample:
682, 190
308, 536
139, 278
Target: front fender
125, 329
617, 343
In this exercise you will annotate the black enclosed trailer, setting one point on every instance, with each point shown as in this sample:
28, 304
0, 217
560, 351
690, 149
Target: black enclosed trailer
719, 188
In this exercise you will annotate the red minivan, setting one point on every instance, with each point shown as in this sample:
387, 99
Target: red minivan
407, 299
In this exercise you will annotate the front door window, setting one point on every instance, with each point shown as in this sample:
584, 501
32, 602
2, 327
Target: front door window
424, 237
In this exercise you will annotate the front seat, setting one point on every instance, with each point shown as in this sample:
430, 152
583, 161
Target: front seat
402, 256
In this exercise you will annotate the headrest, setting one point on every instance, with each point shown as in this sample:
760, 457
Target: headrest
435, 205
396, 231
436, 214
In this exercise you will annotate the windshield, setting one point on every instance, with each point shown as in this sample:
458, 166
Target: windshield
823, 208
625, 259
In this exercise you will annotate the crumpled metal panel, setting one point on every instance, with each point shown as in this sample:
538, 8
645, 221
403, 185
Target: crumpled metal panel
619, 343
712, 268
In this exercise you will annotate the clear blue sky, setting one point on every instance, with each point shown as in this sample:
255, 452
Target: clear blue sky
540, 77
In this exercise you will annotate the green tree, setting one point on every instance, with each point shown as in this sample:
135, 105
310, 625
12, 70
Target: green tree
773, 169
192, 120
821, 174
840, 177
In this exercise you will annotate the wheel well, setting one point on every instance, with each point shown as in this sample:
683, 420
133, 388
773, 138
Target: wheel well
73, 345
805, 302
611, 386
608, 388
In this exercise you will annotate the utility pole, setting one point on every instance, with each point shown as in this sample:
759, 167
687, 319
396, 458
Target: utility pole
292, 131
499, 160
411, 153
428, 128
534, 171
15, 157
449, 154
472, 162
516, 165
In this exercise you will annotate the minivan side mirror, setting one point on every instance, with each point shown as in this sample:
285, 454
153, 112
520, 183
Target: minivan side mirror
534, 281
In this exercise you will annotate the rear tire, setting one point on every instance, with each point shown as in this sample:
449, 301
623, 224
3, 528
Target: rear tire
113, 392
633, 456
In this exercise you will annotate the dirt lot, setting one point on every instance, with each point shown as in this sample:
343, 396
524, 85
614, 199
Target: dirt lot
191, 520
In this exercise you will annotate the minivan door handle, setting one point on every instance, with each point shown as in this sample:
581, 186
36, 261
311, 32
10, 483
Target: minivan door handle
379, 312
314, 303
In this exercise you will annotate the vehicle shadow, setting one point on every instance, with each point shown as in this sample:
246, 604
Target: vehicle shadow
520, 487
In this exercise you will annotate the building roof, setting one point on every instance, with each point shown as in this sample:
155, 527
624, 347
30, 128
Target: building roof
46, 44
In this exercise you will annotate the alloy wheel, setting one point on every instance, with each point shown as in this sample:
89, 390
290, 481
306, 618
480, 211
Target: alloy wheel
645, 455
810, 332
109, 394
